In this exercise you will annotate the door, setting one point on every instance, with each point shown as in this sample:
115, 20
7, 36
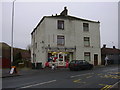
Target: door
95, 59
61, 59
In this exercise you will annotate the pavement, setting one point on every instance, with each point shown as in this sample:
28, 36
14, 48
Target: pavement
5, 73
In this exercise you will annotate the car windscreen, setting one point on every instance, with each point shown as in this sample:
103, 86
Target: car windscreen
79, 61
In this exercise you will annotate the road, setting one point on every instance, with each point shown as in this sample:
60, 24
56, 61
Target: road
99, 77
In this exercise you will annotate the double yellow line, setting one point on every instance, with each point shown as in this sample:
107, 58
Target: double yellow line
77, 80
106, 87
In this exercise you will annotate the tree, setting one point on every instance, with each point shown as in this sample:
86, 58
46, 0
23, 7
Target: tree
28, 48
17, 59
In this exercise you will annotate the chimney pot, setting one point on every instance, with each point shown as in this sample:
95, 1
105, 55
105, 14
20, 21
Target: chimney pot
64, 12
113, 47
65, 8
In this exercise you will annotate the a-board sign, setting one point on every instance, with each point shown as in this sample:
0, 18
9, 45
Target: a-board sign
12, 69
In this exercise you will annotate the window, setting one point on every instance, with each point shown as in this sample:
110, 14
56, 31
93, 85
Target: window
87, 56
60, 24
85, 27
86, 41
60, 40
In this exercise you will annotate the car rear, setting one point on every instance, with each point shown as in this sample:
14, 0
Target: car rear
79, 65
74, 65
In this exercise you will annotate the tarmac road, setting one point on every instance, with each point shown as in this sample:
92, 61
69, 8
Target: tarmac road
103, 77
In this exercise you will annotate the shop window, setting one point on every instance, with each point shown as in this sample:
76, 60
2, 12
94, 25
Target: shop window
60, 40
86, 41
87, 56
60, 24
85, 27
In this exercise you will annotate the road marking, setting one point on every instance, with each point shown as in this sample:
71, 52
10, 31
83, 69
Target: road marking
38, 84
77, 80
99, 74
115, 84
82, 82
102, 84
110, 70
80, 75
89, 77
106, 87
111, 76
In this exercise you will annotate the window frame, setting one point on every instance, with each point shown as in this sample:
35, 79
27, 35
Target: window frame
85, 27
86, 40
60, 24
62, 37
87, 54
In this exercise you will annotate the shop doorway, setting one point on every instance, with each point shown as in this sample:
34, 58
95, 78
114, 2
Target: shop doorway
60, 59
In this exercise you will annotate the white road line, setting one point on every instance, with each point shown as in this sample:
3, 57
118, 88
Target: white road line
115, 84
80, 75
38, 84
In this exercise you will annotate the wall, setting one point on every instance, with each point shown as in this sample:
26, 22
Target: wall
74, 34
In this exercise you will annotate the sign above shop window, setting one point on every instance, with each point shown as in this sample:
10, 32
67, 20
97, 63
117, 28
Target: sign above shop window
63, 49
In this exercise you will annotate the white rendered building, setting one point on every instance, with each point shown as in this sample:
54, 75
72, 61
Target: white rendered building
66, 38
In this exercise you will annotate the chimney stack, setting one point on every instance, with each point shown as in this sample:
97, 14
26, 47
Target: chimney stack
64, 12
104, 46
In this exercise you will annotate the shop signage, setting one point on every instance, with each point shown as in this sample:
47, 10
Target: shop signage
64, 49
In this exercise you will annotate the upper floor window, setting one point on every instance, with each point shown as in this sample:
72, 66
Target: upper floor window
86, 41
60, 24
87, 56
85, 27
60, 40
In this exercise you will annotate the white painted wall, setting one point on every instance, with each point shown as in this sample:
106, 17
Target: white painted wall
74, 34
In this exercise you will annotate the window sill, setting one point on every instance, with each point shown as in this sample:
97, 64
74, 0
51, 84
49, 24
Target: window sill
60, 29
86, 46
60, 45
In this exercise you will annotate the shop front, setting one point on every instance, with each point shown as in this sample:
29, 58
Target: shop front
60, 57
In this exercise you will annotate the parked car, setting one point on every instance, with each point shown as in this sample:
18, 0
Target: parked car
79, 65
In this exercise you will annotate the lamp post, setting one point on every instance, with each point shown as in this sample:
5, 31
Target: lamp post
12, 33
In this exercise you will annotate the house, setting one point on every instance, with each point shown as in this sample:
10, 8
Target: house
62, 38
5, 55
112, 53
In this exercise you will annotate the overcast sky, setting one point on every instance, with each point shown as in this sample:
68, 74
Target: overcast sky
28, 14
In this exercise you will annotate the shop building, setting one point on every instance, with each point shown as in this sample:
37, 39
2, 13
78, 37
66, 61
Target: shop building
62, 38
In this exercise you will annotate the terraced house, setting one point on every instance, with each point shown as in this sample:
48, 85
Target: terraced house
62, 38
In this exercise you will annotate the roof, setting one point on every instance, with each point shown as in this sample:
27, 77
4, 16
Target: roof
64, 17
4, 45
110, 51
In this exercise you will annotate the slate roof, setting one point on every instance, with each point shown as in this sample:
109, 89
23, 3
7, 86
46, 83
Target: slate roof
110, 51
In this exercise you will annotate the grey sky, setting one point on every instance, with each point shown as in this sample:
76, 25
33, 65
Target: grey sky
28, 14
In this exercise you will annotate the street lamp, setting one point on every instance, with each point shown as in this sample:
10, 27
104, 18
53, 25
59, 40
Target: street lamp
12, 32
